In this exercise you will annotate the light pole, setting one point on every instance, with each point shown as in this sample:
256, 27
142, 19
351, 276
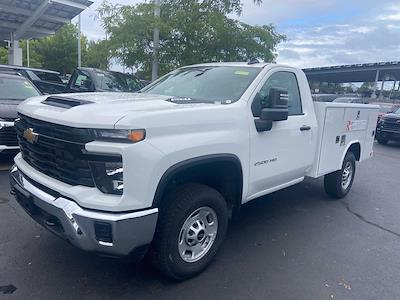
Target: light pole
156, 41
79, 42
28, 63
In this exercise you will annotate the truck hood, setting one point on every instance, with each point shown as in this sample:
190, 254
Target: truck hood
99, 110
391, 117
8, 109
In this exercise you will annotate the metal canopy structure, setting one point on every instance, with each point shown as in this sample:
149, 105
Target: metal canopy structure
374, 72
26, 19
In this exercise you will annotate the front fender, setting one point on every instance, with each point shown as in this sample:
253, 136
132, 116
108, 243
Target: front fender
193, 163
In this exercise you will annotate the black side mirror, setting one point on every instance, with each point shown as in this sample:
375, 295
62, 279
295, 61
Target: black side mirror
263, 125
274, 114
278, 109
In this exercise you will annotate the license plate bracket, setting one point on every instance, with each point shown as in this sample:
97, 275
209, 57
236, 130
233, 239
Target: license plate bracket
25, 199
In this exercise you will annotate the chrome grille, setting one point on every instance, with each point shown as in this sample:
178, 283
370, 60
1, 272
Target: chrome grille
8, 137
59, 151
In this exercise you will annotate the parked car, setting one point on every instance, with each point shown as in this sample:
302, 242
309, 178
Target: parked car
96, 80
46, 81
145, 82
349, 100
163, 170
388, 128
385, 108
324, 97
81, 80
13, 90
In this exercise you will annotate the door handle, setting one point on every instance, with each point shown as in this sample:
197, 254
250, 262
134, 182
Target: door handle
305, 128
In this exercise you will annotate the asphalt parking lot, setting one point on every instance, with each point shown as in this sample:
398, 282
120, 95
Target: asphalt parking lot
293, 244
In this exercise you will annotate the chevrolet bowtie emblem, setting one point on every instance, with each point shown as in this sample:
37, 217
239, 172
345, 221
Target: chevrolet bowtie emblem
30, 135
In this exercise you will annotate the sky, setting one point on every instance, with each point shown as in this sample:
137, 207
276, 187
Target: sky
319, 32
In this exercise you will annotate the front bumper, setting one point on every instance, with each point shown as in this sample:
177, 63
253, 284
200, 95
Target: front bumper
7, 148
113, 234
388, 134
4, 148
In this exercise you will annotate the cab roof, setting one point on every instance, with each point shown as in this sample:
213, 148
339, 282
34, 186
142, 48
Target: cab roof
12, 76
13, 67
232, 64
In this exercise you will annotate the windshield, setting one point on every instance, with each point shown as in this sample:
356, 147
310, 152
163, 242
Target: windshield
16, 89
205, 83
385, 109
46, 76
117, 82
397, 111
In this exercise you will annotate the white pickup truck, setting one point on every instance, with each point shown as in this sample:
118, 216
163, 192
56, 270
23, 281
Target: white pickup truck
162, 171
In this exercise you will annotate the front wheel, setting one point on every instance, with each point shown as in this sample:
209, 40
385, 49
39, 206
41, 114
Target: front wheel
191, 229
338, 184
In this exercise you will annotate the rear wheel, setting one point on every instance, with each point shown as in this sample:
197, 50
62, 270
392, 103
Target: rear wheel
338, 184
191, 229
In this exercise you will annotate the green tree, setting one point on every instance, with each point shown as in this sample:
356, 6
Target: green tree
191, 31
35, 60
97, 55
59, 52
366, 89
3, 55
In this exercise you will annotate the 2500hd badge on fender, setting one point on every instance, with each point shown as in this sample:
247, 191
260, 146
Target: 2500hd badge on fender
162, 171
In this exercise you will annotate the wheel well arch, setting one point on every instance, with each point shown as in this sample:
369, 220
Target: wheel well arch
222, 172
354, 148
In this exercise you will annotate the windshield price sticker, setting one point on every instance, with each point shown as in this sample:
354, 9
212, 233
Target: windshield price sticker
242, 73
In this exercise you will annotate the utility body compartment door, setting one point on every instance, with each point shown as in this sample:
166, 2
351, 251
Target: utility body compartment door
342, 125
282, 156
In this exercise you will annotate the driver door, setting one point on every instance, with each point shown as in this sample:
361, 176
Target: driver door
280, 156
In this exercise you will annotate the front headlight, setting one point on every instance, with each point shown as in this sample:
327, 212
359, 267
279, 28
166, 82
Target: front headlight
108, 177
108, 174
120, 135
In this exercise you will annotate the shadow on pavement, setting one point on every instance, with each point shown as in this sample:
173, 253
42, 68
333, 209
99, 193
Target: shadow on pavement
6, 161
122, 277
292, 244
393, 144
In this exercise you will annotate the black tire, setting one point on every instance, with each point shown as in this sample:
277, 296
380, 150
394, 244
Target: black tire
382, 140
333, 181
179, 206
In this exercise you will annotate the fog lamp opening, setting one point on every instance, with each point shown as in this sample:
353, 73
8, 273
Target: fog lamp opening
108, 177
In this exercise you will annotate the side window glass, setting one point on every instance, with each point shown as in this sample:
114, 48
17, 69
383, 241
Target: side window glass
82, 82
32, 75
285, 81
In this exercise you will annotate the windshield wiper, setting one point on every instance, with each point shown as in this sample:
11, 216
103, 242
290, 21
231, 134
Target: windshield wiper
187, 100
183, 100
